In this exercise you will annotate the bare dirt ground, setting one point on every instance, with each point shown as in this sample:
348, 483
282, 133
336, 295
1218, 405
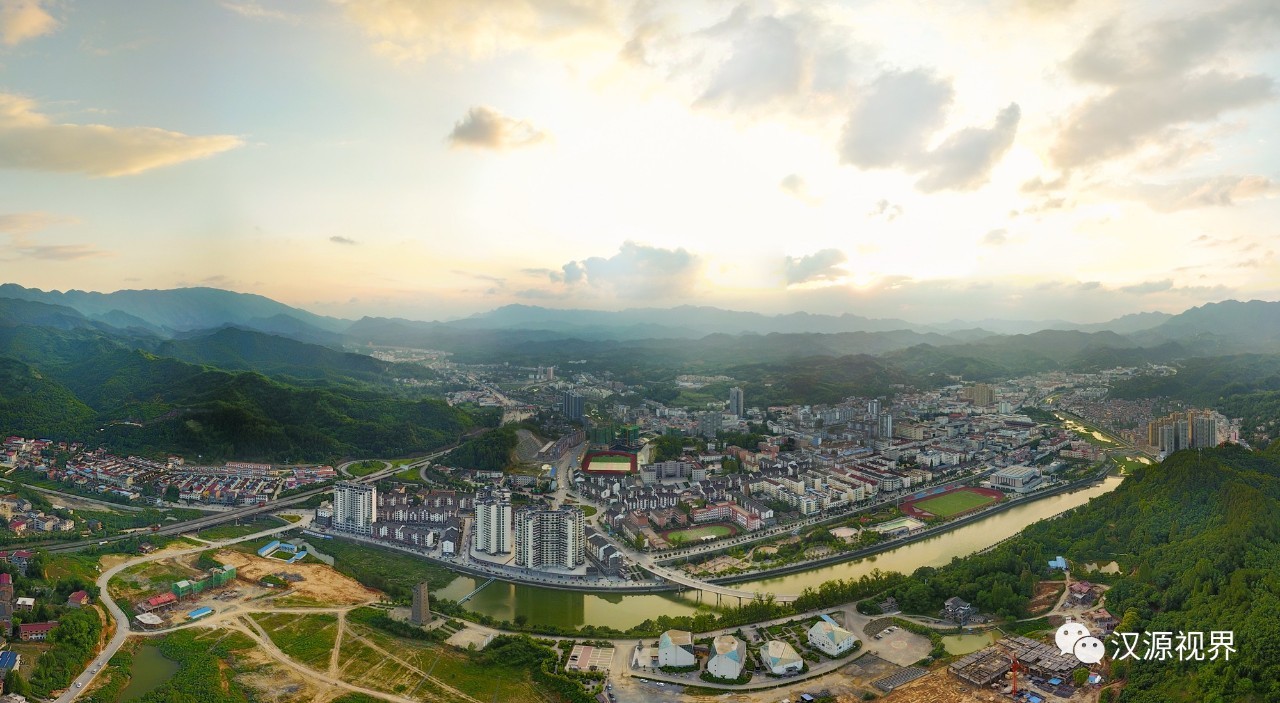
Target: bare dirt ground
277, 684
321, 582
1047, 595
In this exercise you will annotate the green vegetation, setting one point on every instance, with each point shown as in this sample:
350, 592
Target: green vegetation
207, 668
394, 573
491, 451
366, 467
232, 531
74, 641
697, 533
307, 638
588, 510
82, 384
955, 503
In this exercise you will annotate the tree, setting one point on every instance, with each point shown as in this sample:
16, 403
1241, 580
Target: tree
171, 493
1080, 677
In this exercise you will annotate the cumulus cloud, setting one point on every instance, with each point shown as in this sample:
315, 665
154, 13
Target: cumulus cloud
964, 159
1136, 115
995, 237
412, 30
637, 271
486, 128
1217, 191
886, 209
893, 121
30, 140
339, 239
21, 20
1163, 79
824, 265
796, 186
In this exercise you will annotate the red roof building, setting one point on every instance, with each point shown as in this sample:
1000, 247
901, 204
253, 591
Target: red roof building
35, 631
77, 599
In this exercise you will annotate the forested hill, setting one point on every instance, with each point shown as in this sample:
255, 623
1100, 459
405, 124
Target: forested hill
1198, 537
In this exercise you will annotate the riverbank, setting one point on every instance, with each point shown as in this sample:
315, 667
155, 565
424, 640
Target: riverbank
927, 533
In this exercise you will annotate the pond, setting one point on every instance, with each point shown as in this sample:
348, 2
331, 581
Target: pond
150, 669
964, 644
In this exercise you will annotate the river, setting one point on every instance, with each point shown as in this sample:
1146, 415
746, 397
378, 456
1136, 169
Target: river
546, 606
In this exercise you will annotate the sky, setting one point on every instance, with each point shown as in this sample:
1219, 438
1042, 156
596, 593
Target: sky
931, 160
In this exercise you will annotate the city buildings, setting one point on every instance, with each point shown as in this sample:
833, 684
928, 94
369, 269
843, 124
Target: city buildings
420, 611
550, 538
492, 533
829, 637
736, 407
675, 648
1019, 479
354, 507
728, 653
1183, 430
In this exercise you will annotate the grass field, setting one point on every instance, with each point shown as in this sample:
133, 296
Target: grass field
954, 503
306, 638
610, 459
697, 533
231, 531
385, 569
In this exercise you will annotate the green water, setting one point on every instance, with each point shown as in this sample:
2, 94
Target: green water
150, 669
544, 606
963, 644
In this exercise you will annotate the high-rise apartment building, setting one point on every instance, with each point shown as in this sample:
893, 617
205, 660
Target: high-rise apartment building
420, 612
873, 407
885, 425
550, 538
572, 405
736, 407
710, 423
492, 533
1183, 430
354, 507
980, 394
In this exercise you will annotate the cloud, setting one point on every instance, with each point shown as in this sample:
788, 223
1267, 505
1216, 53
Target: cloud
486, 128
21, 225
1217, 191
413, 30
1162, 79
21, 20
794, 184
338, 239
767, 61
254, 10
887, 210
964, 160
995, 238
893, 121
1148, 287
1134, 116
30, 140
637, 271
822, 265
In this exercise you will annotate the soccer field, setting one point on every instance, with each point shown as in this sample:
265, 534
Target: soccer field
694, 534
954, 503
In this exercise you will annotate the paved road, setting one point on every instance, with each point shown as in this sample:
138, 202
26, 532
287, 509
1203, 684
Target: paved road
122, 621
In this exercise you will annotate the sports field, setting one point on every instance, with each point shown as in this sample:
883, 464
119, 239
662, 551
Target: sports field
954, 503
694, 534
610, 459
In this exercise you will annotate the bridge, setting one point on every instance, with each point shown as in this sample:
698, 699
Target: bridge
701, 586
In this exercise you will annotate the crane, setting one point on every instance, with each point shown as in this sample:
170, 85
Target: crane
1015, 669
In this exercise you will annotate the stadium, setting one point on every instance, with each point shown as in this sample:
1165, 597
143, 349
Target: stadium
609, 463
951, 503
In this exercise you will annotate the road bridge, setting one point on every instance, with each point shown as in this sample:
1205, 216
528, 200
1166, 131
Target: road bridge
720, 592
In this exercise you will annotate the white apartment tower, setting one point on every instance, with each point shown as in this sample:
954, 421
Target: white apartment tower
492, 533
550, 538
354, 507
